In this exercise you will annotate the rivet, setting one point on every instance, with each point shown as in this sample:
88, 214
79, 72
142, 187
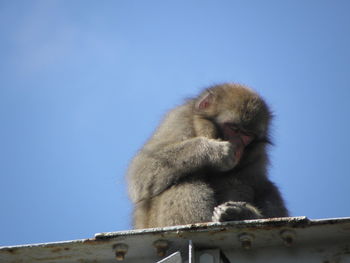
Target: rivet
288, 237
161, 247
120, 251
246, 240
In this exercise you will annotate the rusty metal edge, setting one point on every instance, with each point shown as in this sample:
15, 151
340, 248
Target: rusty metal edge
301, 221
213, 226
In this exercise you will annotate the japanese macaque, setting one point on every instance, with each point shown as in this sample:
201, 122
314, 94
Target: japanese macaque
207, 161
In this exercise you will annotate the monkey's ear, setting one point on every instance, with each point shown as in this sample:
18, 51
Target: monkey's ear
205, 101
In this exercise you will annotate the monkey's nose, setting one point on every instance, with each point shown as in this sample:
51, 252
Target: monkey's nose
246, 139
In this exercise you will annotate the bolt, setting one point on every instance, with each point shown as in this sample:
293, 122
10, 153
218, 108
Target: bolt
246, 240
288, 237
120, 251
161, 247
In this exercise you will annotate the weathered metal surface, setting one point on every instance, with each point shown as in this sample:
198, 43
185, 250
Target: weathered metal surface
295, 239
173, 258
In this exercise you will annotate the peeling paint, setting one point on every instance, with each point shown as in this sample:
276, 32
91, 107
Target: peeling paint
294, 239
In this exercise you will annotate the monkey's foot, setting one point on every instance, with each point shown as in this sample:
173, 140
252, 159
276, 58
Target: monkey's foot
231, 211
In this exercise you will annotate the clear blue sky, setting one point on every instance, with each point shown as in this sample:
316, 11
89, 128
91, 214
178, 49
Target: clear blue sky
84, 83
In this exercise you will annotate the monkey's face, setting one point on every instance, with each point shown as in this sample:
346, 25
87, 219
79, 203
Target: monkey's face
239, 114
237, 137
241, 108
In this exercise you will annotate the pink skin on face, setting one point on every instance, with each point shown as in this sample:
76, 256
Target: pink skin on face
236, 137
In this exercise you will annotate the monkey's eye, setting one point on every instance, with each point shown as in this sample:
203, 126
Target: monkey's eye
233, 127
248, 133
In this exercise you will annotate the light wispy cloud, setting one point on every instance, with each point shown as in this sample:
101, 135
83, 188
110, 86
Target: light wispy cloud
44, 40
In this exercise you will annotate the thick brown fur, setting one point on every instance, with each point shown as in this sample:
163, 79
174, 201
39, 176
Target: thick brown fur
186, 172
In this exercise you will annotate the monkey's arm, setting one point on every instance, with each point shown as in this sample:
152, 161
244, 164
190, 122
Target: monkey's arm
159, 166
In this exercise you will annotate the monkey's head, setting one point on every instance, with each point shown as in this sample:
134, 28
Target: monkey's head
240, 115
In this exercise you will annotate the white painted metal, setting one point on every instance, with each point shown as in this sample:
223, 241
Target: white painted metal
173, 258
269, 240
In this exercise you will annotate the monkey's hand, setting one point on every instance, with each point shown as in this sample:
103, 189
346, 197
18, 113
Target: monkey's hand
231, 211
223, 155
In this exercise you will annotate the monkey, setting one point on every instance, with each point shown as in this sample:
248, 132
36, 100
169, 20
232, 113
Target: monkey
207, 162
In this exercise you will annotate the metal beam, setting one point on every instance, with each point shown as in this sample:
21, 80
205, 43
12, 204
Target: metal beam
293, 239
